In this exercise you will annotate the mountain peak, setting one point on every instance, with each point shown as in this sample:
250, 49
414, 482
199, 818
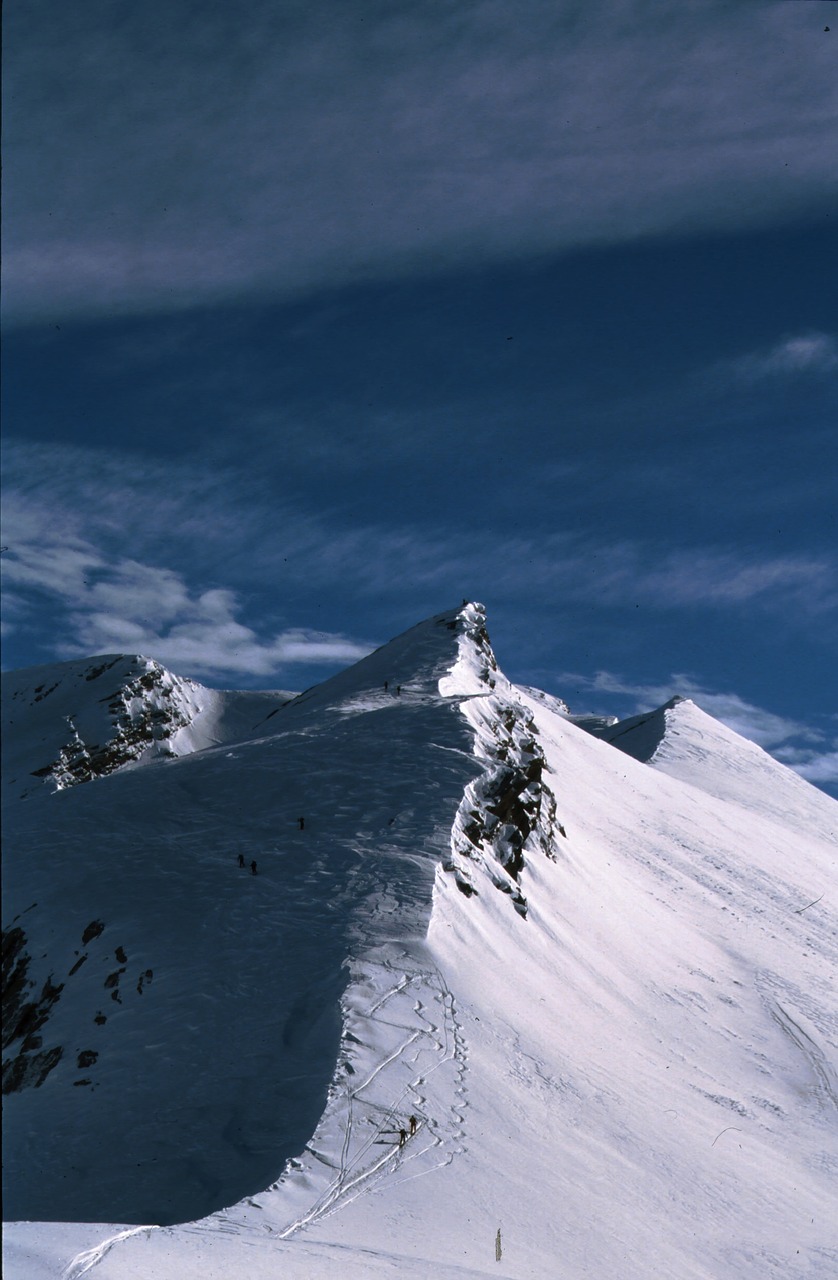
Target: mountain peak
70, 722
266, 987
448, 655
684, 741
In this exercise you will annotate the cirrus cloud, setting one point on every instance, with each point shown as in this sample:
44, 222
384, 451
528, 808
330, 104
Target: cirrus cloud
799, 356
124, 605
157, 160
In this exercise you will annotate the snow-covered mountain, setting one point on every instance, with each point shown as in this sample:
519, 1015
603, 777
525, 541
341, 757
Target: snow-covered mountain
61, 727
598, 983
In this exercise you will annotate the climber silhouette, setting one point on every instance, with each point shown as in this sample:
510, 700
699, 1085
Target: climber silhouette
253, 867
241, 859
402, 1137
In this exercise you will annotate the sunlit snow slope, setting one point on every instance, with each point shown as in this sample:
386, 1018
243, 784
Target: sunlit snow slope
603, 986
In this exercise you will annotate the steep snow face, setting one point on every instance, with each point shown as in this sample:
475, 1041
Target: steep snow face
72, 722
654, 1048
604, 995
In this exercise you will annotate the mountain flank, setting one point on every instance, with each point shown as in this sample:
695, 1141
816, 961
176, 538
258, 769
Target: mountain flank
412, 974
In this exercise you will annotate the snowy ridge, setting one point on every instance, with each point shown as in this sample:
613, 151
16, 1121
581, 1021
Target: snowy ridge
683, 741
377, 766
604, 993
401, 1055
402, 1051
402, 1048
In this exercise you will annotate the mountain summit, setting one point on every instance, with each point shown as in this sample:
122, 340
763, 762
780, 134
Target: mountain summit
409, 974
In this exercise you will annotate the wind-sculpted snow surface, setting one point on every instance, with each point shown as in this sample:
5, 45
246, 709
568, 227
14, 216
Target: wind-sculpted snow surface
509, 1002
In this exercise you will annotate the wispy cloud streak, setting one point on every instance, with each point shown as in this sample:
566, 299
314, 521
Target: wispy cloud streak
109, 602
70, 514
802, 355
157, 160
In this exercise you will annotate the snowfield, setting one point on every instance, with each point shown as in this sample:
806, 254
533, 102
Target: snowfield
594, 974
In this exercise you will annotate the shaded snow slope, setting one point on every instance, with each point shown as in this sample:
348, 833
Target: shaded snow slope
72, 722
605, 994
175, 1022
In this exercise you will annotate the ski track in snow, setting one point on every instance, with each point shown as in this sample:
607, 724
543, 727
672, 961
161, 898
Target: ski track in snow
86, 1261
368, 1112
821, 1067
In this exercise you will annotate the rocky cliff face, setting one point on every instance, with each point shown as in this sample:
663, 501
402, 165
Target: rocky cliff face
509, 811
76, 721
144, 713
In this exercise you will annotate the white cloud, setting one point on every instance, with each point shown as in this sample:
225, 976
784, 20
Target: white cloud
319, 144
204, 635
51, 564
118, 603
812, 766
805, 354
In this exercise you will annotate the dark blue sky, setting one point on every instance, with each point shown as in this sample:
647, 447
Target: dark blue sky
316, 325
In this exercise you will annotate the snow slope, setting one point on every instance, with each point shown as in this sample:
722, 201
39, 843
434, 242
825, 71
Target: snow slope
604, 990
60, 727
684, 742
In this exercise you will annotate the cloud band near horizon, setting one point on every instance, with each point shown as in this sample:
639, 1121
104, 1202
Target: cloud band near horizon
78, 539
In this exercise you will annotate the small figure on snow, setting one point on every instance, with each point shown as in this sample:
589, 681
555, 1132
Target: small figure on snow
413, 1125
253, 867
398, 690
386, 685
302, 823
402, 1137
241, 859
